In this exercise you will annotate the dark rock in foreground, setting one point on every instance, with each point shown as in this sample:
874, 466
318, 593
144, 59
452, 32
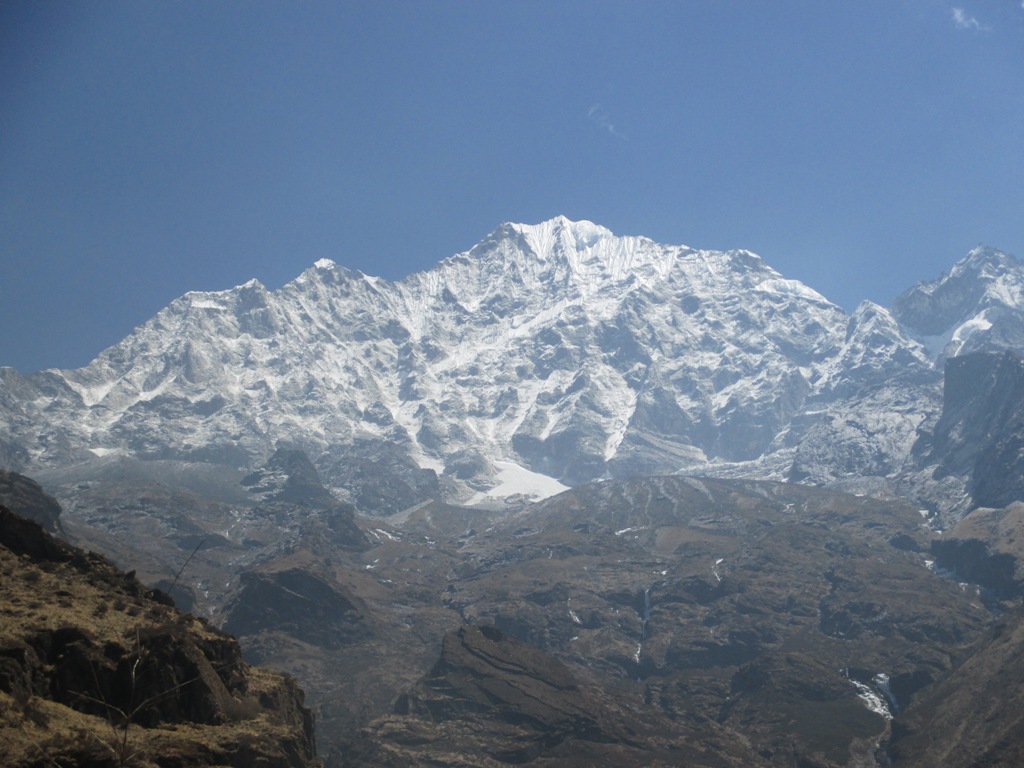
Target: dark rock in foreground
97, 670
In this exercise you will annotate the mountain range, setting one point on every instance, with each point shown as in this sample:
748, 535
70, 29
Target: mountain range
571, 497
544, 357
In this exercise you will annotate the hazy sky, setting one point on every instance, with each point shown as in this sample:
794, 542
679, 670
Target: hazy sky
152, 148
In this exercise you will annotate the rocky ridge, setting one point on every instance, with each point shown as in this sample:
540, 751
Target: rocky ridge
98, 670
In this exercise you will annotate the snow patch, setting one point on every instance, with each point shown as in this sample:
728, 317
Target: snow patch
875, 698
206, 304
515, 480
791, 288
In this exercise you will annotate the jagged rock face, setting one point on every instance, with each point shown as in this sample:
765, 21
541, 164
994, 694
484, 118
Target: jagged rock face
288, 487
95, 669
978, 436
982, 396
381, 476
289, 477
975, 306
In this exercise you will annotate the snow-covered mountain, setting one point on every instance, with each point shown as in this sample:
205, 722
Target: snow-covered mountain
545, 356
975, 306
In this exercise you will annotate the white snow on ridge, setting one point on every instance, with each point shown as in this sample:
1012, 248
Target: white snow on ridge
540, 340
792, 288
872, 700
101, 452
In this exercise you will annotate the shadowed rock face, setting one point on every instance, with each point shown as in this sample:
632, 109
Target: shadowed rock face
971, 456
983, 397
299, 603
97, 670
25, 497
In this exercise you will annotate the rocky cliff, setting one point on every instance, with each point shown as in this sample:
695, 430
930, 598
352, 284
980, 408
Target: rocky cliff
97, 670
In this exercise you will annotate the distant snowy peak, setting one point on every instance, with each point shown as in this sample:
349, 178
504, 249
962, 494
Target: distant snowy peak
875, 348
559, 252
560, 235
567, 260
977, 304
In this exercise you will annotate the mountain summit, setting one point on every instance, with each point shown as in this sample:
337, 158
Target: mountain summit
976, 304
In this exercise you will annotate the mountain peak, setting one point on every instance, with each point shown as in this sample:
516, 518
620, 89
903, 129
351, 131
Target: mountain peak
965, 302
985, 262
579, 235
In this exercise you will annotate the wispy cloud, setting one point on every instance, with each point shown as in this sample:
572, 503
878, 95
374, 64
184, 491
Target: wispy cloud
964, 20
599, 117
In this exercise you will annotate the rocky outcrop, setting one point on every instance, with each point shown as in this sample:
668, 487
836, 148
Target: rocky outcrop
978, 436
380, 475
288, 487
986, 548
25, 497
299, 603
95, 669
288, 476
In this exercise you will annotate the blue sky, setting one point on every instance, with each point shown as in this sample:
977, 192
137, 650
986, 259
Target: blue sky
149, 149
